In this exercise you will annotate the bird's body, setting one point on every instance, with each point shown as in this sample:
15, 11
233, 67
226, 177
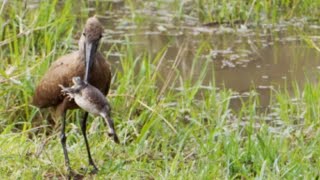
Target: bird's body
88, 63
92, 100
48, 93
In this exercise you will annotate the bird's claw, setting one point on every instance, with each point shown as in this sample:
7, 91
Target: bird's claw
69, 96
94, 171
66, 91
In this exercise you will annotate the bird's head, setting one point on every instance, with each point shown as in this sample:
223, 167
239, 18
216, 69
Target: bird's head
89, 42
78, 82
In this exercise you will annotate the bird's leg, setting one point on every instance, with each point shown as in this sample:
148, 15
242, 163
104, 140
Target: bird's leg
84, 129
63, 139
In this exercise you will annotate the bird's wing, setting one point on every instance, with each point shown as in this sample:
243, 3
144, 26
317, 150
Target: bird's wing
48, 93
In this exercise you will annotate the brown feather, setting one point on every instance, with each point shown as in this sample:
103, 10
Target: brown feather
60, 74
48, 93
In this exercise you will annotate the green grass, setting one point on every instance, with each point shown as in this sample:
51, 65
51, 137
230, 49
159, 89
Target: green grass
165, 133
226, 11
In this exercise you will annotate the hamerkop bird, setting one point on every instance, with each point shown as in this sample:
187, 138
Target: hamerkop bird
88, 63
92, 100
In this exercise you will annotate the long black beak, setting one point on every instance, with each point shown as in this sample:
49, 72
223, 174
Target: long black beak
90, 51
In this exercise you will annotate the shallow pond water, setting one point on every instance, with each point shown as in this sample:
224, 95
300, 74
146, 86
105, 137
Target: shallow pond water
264, 57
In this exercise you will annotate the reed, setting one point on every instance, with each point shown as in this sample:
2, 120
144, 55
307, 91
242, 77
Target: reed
167, 132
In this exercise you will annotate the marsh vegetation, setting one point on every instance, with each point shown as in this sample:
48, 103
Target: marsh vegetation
201, 89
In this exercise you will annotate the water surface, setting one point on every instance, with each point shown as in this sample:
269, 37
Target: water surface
242, 57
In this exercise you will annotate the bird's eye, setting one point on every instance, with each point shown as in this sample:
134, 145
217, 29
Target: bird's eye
84, 34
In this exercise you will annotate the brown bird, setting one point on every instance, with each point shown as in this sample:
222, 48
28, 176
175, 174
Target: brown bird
92, 100
87, 62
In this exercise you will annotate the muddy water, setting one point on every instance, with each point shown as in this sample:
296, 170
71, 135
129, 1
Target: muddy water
264, 57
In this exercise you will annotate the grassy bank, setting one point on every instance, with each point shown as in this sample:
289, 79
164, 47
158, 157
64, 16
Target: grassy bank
217, 11
165, 133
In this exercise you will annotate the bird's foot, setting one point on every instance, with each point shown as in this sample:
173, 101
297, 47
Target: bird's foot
94, 171
69, 96
67, 93
70, 172
74, 175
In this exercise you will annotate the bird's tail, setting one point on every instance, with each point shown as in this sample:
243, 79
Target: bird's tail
112, 131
